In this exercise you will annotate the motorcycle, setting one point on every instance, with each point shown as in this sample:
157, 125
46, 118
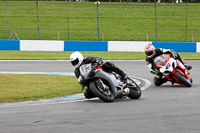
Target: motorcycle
105, 85
173, 70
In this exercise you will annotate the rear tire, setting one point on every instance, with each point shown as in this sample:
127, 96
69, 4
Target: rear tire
135, 91
182, 79
97, 91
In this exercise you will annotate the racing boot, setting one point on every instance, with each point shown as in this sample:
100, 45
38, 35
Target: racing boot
159, 81
88, 94
188, 67
126, 79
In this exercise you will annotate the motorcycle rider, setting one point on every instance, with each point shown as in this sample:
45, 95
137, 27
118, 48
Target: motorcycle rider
151, 53
77, 60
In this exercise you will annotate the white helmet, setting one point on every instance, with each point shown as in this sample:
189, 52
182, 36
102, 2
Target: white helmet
76, 59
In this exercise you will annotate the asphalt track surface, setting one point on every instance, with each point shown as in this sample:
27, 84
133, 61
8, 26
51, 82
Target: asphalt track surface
165, 109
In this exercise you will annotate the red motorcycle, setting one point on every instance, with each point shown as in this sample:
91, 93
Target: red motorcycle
173, 70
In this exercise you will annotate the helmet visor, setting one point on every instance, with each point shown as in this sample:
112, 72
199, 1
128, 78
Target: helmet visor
75, 62
149, 53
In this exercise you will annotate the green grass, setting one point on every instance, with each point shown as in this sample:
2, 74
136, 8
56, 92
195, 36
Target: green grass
19, 87
117, 21
64, 55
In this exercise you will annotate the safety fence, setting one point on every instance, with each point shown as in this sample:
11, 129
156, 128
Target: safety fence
104, 21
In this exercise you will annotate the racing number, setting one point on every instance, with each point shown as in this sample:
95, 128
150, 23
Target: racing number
168, 65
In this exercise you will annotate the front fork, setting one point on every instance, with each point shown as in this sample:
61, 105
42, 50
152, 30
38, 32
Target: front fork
101, 84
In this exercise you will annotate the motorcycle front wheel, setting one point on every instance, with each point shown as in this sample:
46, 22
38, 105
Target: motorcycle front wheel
182, 79
101, 91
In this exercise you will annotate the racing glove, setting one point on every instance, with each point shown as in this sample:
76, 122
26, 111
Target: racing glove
98, 63
174, 54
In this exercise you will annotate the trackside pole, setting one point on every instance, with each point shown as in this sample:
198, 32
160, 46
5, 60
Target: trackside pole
37, 19
97, 3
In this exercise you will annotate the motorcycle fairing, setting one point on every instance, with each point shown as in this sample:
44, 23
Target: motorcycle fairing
113, 82
168, 66
86, 71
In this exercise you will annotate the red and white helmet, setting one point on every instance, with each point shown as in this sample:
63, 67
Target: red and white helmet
150, 50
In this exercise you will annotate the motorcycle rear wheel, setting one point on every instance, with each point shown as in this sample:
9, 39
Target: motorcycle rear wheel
97, 91
182, 79
135, 91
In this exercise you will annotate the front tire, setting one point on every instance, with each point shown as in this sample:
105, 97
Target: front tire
104, 95
182, 79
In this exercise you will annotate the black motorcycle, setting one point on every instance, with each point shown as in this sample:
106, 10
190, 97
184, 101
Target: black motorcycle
107, 86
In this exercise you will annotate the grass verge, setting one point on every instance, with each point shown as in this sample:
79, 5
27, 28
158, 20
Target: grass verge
21, 87
64, 55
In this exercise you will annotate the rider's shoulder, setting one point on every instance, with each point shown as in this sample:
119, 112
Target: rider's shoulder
88, 59
158, 49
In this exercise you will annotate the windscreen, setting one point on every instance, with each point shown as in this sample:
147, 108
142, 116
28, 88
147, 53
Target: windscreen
160, 60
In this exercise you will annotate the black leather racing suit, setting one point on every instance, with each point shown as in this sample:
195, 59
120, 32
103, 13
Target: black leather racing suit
158, 80
107, 66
